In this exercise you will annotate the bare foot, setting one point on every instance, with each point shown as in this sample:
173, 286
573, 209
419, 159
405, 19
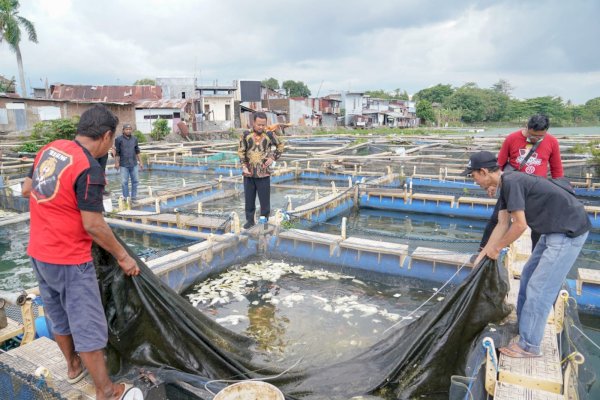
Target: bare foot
75, 367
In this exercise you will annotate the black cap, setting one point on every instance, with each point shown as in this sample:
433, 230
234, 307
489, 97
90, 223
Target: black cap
125, 126
482, 159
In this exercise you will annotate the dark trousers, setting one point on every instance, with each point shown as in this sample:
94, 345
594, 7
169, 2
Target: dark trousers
252, 187
489, 228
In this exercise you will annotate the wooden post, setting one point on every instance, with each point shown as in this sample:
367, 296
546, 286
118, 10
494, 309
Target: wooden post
231, 173
157, 206
174, 158
128, 203
120, 204
355, 169
183, 182
405, 193
28, 322
490, 365
199, 207
307, 164
220, 185
360, 169
333, 188
289, 205
401, 170
344, 223
414, 170
149, 191
389, 170
441, 174
349, 182
316, 194
588, 180
285, 164
235, 222
178, 219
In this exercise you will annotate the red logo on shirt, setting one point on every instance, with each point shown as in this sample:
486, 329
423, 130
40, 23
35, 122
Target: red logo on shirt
46, 175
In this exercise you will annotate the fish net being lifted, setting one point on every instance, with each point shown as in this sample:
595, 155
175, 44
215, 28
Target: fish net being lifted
151, 327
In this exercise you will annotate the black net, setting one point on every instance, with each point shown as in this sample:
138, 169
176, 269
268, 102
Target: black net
152, 327
14, 384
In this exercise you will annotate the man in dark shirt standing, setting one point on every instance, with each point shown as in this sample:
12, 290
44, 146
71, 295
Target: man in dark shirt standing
550, 208
257, 156
128, 159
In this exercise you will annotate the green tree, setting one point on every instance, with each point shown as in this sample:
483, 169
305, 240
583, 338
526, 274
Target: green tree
593, 108
435, 94
10, 30
296, 88
470, 101
160, 129
425, 111
271, 83
382, 94
144, 81
503, 87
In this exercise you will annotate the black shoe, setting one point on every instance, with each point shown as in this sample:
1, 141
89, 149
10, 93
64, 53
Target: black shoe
248, 225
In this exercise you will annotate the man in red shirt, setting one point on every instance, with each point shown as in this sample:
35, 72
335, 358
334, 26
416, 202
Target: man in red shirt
517, 145
65, 188
530, 151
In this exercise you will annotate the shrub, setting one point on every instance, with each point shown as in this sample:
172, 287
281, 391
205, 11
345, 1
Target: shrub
140, 136
47, 131
160, 129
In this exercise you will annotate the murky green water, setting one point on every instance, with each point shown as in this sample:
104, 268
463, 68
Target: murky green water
315, 315
15, 268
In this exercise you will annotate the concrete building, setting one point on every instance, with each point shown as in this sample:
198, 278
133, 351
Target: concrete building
21, 114
177, 88
215, 107
173, 110
352, 103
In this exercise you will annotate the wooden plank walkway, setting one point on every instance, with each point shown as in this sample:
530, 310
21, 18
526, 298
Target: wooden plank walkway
529, 378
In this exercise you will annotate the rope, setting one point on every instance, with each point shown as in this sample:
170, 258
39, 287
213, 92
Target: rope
586, 336
428, 300
253, 379
488, 347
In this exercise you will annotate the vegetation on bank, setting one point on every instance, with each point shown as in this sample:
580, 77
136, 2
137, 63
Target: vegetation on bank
444, 105
45, 132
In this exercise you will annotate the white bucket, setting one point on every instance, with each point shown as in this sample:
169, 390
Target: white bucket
250, 390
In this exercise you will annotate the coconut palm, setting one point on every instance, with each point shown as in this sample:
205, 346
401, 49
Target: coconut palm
10, 31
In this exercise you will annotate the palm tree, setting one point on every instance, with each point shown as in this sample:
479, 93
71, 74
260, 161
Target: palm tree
10, 31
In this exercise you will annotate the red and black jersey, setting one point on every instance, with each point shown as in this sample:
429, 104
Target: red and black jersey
65, 180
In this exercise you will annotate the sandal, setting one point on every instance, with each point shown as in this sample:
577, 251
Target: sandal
131, 392
79, 377
513, 350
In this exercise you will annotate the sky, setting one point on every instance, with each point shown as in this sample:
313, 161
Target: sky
542, 48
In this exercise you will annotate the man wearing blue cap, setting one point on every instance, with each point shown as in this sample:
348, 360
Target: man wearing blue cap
549, 207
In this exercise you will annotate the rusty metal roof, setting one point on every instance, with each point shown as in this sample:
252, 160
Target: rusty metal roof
163, 103
106, 93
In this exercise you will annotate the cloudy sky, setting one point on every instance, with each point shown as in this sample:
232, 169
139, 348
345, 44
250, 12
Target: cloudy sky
543, 47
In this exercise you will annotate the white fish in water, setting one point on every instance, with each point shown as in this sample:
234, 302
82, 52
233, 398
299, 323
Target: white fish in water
231, 319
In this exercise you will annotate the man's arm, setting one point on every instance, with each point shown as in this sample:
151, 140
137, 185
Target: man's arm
117, 153
137, 154
95, 225
507, 233
503, 154
242, 148
26, 188
556, 167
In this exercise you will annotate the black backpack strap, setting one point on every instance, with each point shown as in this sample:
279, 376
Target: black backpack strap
528, 156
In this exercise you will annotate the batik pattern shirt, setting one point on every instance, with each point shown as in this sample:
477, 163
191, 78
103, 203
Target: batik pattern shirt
254, 150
